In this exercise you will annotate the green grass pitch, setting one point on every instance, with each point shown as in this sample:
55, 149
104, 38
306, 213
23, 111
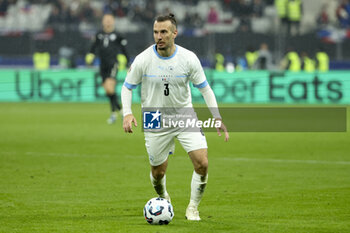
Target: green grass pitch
63, 169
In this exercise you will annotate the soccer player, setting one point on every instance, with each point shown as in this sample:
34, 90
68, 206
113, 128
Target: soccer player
179, 66
107, 45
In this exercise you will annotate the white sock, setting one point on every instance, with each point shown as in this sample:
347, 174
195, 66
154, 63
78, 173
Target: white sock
197, 188
159, 186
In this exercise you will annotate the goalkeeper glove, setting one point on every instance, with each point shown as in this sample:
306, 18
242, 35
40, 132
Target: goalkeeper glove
89, 58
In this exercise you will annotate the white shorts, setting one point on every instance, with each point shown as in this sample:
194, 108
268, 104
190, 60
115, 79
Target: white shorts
159, 145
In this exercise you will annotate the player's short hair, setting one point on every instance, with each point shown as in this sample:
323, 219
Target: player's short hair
170, 17
109, 13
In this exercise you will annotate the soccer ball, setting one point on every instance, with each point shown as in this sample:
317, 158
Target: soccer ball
158, 211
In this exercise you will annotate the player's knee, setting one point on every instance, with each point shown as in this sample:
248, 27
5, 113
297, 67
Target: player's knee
201, 167
158, 174
109, 92
109, 87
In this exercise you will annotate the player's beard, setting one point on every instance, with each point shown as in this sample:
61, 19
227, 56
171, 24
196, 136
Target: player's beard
163, 45
162, 48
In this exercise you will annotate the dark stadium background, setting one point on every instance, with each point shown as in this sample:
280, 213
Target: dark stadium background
30, 26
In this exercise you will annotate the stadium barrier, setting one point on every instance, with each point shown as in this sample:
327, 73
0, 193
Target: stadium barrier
82, 85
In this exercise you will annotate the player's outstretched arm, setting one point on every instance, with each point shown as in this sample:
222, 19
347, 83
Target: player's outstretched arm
210, 100
129, 118
223, 129
127, 123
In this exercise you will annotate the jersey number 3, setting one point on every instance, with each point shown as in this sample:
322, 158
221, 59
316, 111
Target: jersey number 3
166, 90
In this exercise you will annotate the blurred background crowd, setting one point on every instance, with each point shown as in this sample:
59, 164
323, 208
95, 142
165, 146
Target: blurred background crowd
222, 32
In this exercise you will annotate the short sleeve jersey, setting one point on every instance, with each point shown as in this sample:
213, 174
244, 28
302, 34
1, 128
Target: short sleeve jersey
165, 80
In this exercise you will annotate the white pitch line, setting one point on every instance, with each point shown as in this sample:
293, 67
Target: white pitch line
51, 154
65, 154
269, 160
265, 160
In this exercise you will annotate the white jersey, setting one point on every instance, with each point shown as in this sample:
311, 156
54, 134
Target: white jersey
165, 80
